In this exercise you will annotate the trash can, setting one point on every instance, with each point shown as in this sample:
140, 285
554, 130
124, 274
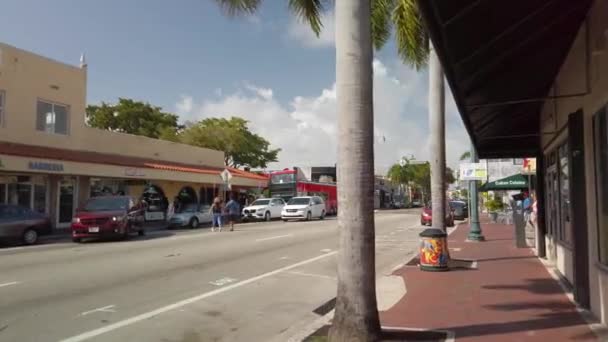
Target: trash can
434, 254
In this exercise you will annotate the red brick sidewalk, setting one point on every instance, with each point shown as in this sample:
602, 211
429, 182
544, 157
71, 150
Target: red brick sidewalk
510, 296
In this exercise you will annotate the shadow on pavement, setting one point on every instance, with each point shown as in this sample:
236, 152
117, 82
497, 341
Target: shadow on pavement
538, 286
546, 321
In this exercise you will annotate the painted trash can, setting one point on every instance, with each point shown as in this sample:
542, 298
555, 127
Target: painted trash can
434, 254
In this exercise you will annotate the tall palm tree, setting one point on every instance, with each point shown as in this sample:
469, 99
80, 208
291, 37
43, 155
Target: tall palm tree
415, 48
361, 25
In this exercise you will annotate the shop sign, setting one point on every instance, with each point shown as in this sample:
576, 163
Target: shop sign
512, 182
44, 166
529, 166
473, 171
134, 172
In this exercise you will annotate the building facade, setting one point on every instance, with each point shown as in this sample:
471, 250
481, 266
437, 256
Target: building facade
52, 162
534, 83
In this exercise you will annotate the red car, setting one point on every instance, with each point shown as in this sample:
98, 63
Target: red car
426, 216
108, 217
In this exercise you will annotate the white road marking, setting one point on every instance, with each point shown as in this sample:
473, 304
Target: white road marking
223, 281
284, 258
147, 315
9, 284
326, 250
109, 308
273, 237
313, 275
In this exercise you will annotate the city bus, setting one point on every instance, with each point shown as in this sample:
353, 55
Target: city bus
290, 183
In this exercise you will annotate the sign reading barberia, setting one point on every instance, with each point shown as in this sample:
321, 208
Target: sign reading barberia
44, 166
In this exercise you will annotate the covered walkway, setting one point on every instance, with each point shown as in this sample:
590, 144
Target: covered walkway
509, 296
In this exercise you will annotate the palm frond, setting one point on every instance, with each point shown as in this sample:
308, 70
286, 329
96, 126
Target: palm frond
410, 34
309, 11
239, 7
381, 21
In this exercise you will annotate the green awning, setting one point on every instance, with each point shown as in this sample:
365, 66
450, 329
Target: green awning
514, 182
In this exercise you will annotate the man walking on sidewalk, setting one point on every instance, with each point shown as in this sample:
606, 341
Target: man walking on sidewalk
233, 209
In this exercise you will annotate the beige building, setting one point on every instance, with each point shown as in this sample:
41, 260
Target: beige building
51, 161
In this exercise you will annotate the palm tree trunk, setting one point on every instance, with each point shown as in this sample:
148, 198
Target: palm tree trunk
356, 315
437, 132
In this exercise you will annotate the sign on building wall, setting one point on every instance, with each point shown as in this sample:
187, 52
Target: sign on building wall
473, 171
529, 166
44, 166
134, 172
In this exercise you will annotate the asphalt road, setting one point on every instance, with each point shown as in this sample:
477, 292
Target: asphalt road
262, 282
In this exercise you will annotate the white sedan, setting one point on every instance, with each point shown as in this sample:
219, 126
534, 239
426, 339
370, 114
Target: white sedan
191, 217
264, 209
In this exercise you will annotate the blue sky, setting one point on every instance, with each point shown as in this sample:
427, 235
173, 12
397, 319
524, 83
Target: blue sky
187, 57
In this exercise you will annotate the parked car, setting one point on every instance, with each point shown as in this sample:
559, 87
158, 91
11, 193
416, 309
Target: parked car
426, 216
108, 216
191, 216
23, 224
416, 204
264, 209
461, 209
396, 205
307, 207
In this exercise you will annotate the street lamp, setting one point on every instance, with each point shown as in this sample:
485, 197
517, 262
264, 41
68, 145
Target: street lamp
475, 233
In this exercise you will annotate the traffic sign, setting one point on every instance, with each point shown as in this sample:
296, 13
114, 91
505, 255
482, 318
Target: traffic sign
226, 175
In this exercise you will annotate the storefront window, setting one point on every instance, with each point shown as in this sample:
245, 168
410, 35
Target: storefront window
2, 193
40, 198
564, 192
66, 200
601, 164
20, 194
107, 187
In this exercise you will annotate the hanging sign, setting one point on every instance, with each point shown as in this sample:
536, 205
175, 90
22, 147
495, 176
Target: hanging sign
473, 171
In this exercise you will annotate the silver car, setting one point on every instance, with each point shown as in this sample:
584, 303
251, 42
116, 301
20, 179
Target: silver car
191, 216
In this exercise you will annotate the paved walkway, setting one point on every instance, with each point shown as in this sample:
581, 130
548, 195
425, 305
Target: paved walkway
509, 297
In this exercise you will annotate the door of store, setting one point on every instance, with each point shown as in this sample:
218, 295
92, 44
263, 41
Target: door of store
578, 198
66, 197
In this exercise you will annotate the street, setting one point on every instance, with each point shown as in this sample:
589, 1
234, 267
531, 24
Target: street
262, 282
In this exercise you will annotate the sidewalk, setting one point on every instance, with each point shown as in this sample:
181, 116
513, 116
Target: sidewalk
509, 297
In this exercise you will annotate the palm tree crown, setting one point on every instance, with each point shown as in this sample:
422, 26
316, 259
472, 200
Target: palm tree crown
410, 35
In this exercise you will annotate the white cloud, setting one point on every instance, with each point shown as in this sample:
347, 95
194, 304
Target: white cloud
301, 31
306, 131
265, 93
185, 105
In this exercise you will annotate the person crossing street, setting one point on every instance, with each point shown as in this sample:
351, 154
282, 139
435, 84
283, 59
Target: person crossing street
216, 211
232, 209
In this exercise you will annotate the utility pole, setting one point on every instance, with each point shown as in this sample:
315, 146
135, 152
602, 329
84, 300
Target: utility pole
475, 233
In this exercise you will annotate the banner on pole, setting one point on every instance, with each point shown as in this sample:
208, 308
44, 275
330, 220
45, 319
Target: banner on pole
473, 171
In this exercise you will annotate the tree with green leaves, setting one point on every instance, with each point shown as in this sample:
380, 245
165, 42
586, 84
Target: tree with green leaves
132, 117
241, 146
449, 176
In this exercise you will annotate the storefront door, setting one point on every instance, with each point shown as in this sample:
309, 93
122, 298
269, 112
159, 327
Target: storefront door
578, 203
65, 202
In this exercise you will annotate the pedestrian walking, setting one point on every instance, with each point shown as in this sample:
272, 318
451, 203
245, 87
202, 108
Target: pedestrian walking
216, 211
232, 210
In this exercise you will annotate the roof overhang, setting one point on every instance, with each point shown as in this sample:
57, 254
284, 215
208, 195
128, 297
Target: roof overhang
500, 59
